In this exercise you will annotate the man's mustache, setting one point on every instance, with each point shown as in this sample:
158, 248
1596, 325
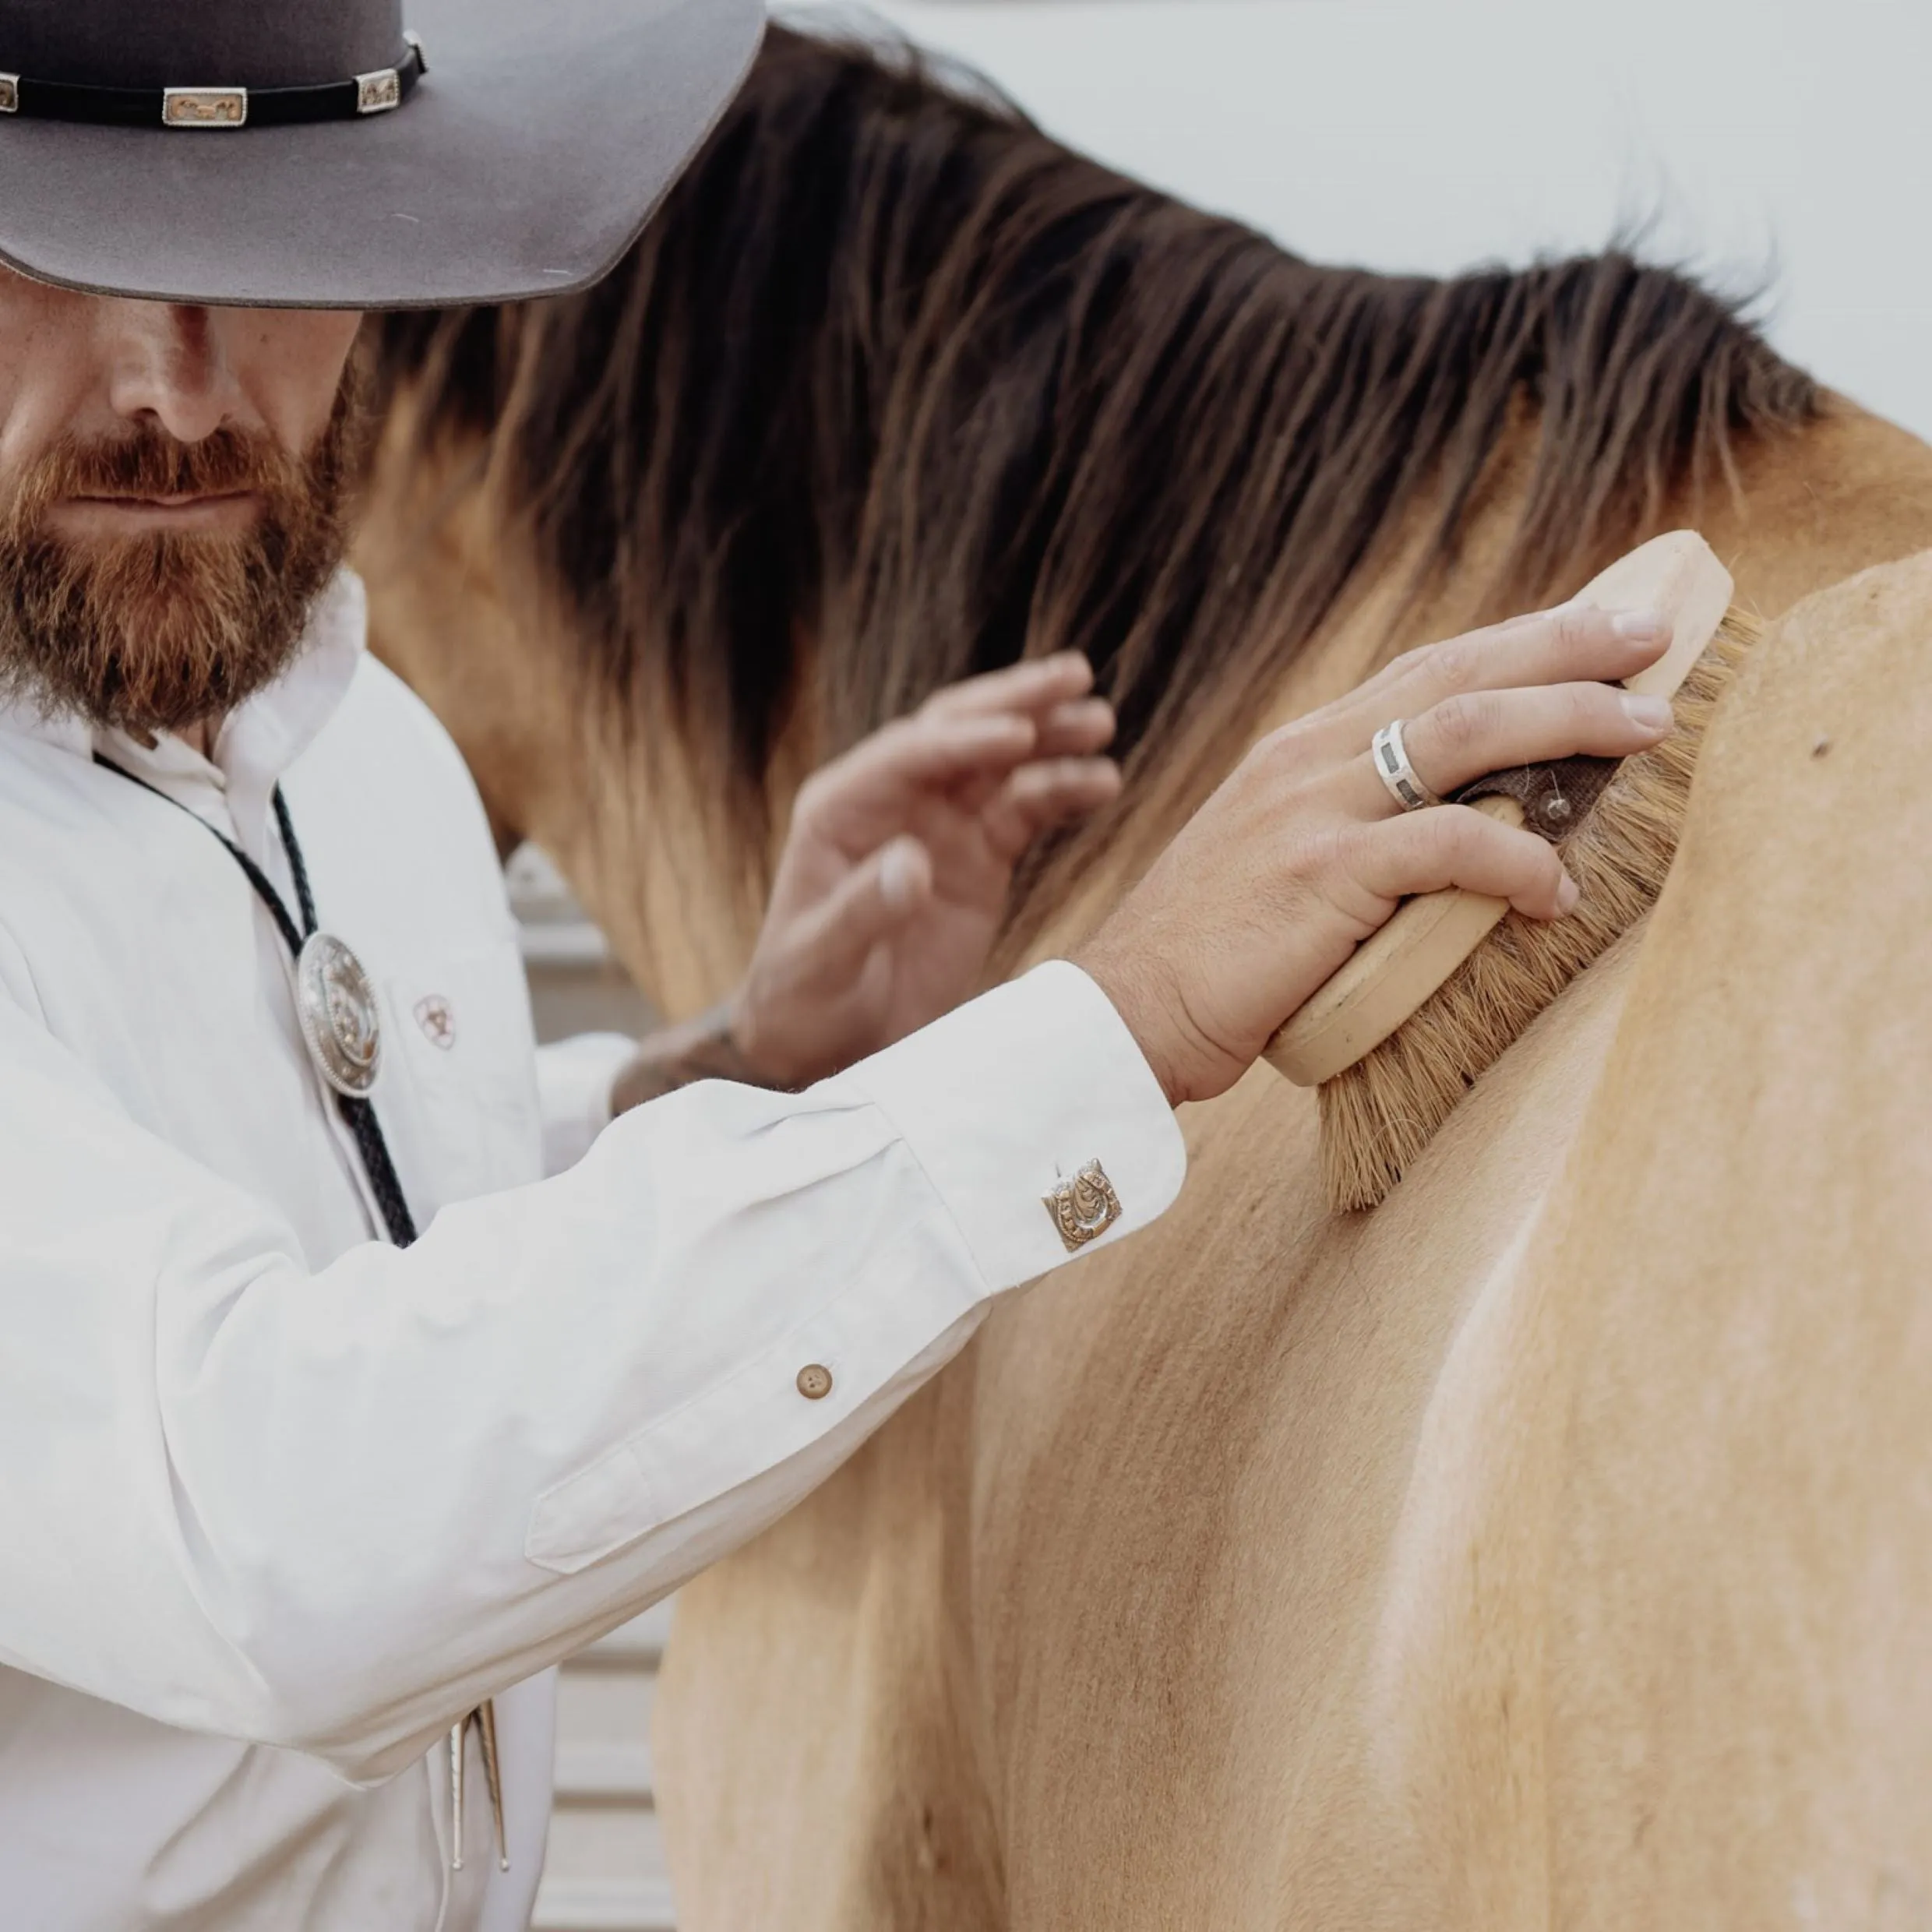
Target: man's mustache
148, 462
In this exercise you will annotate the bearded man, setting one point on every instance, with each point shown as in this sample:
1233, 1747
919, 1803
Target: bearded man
301, 1508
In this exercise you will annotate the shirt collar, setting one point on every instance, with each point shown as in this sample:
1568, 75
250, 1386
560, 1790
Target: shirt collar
258, 741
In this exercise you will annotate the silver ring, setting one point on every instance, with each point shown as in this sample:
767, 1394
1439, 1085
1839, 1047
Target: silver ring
1391, 757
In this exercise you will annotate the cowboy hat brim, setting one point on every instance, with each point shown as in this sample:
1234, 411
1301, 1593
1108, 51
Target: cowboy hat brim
524, 164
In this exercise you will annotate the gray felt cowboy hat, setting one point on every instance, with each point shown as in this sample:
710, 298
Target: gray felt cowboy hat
350, 154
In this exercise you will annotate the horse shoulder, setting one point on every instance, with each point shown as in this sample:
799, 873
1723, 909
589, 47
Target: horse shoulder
1741, 1722
1213, 1474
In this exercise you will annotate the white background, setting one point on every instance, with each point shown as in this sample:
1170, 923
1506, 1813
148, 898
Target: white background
1778, 143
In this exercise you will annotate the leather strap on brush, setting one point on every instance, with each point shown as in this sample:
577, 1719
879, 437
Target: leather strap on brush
1556, 798
1686, 582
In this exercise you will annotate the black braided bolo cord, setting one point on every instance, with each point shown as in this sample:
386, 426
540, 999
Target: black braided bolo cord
357, 1115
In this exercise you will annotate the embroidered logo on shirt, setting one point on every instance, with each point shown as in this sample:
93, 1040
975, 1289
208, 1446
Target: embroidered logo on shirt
1084, 1207
438, 1019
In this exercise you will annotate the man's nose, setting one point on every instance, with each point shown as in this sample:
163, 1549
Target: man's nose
166, 365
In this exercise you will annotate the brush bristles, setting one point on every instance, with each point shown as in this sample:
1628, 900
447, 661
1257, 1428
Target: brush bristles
1379, 1116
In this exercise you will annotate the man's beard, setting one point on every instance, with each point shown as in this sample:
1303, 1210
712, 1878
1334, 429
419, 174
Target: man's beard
155, 634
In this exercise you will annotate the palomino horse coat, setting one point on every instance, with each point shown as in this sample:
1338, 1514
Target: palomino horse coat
1549, 1546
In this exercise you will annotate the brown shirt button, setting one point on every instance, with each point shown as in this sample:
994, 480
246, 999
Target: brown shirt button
815, 1381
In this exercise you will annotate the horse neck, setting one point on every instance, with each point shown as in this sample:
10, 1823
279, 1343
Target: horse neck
479, 641
651, 862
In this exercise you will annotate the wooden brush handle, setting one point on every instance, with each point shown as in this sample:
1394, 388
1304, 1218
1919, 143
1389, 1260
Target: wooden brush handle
1392, 972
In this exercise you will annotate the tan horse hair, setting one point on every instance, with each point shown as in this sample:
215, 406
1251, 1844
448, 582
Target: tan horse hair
1486, 1563
849, 1678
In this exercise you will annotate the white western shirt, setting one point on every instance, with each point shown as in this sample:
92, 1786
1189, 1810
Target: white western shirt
281, 1501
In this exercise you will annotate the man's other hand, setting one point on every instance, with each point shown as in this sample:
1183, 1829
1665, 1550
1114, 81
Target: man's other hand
895, 873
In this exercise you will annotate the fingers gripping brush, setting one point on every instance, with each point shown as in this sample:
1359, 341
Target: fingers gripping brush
1399, 1033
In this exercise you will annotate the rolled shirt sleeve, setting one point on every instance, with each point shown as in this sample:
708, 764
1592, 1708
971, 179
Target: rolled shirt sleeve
329, 1509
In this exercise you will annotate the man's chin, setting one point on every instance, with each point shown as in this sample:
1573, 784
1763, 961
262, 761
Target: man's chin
152, 634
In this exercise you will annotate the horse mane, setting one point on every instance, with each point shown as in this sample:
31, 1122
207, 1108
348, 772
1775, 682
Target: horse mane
894, 388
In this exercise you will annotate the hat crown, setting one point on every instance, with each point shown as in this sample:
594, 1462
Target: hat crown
199, 42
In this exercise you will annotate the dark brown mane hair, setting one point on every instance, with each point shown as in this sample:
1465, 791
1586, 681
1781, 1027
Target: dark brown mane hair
892, 372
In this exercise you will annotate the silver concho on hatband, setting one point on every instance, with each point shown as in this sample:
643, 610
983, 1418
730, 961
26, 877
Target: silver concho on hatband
336, 1004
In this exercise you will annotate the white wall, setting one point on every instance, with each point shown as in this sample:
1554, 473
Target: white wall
1787, 140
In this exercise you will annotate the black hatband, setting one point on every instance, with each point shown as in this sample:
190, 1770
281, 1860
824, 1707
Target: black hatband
178, 108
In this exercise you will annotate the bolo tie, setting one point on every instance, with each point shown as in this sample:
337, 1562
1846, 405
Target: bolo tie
335, 1005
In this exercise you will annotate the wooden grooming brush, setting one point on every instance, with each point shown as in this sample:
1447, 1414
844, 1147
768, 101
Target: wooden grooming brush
1397, 1037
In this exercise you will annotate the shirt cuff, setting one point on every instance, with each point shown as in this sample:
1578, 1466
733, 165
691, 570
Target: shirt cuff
574, 1080
1018, 1092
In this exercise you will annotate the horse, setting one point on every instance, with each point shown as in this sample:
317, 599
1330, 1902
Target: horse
1545, 1546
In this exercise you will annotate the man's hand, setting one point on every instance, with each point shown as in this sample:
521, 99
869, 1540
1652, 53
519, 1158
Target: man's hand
894, 876
1303, 853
